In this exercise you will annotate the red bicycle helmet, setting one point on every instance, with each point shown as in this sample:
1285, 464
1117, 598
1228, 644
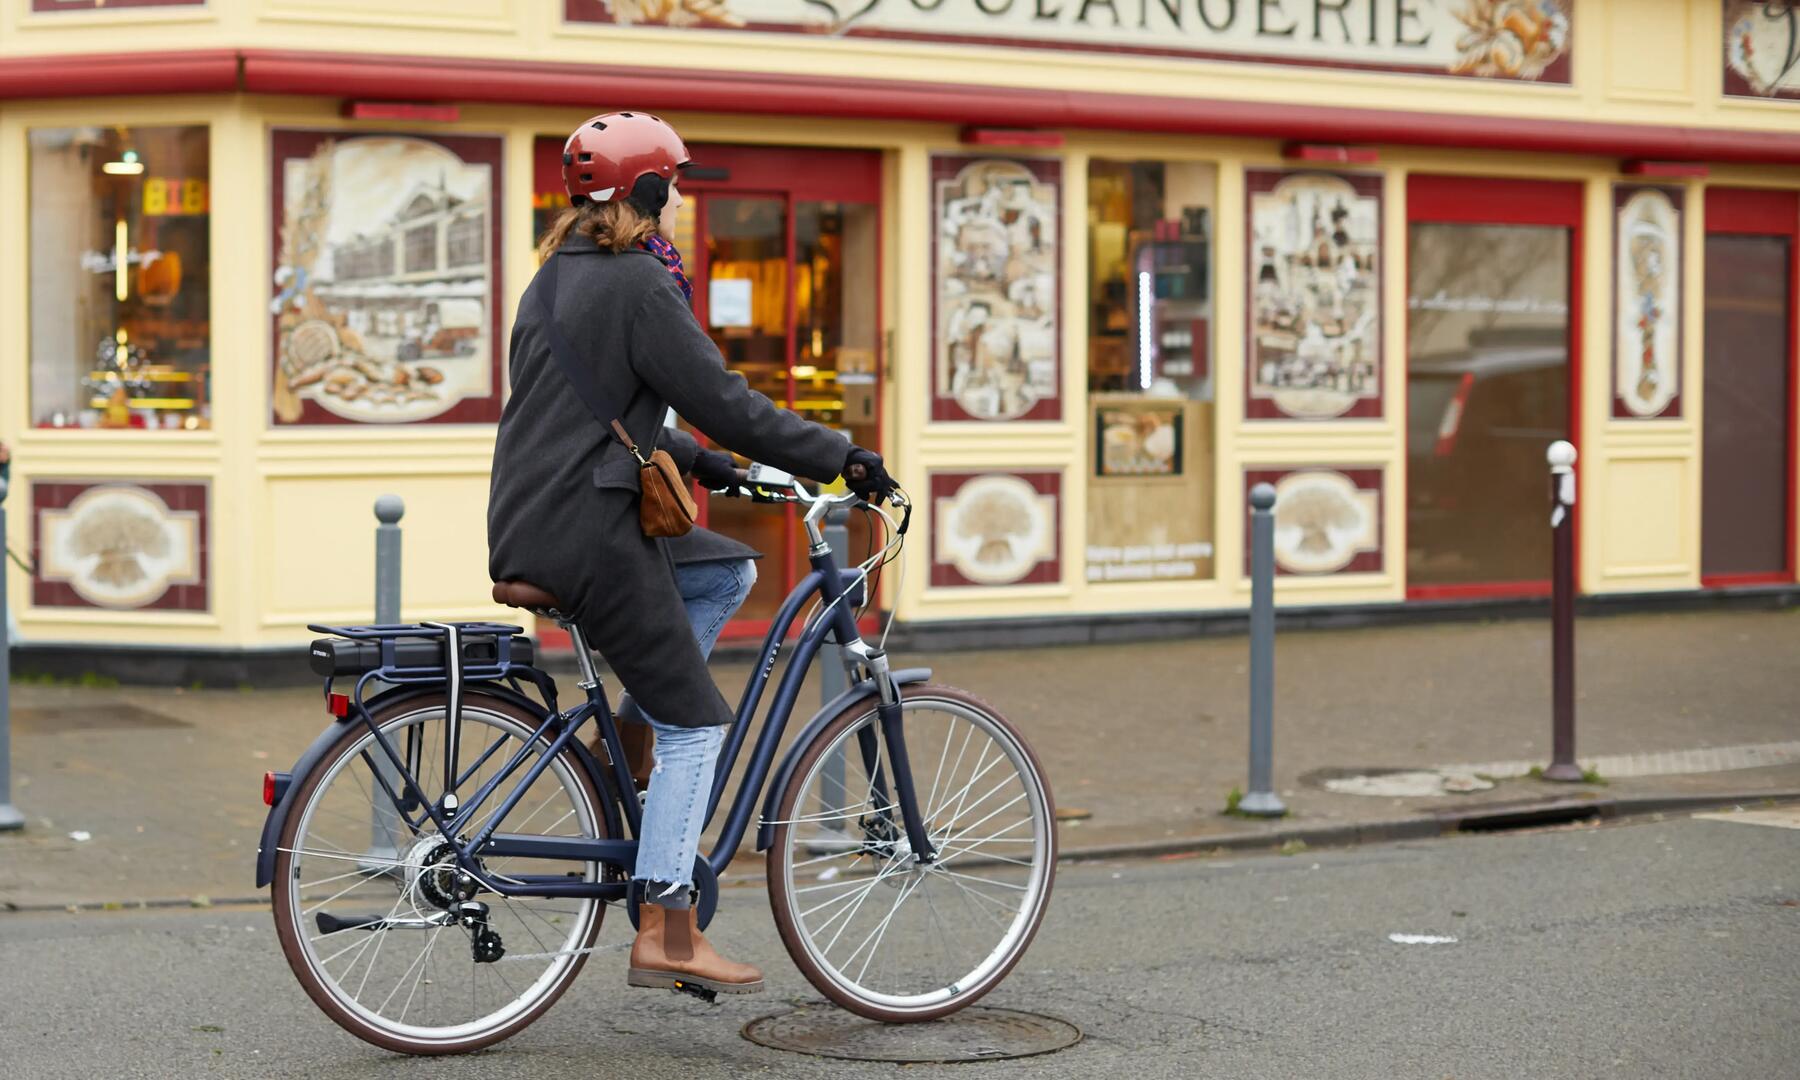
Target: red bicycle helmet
608, 154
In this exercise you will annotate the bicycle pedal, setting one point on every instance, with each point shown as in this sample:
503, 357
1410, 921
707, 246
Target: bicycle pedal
706, 994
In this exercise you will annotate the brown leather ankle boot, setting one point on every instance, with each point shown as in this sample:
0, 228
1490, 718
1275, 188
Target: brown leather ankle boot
670, 951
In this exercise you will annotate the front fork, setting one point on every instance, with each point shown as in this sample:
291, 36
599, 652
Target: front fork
888, 712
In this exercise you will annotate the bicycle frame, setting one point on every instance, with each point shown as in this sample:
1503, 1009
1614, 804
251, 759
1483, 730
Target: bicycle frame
837, 620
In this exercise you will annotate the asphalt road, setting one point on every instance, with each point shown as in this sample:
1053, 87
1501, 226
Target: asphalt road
1654, 949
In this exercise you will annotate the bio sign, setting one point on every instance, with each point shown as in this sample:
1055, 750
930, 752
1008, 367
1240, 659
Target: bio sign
1499, 39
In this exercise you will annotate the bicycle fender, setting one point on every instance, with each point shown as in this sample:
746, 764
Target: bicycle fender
765, 833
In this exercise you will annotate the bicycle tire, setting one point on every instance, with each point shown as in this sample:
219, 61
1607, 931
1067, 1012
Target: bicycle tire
286, 923
780, 884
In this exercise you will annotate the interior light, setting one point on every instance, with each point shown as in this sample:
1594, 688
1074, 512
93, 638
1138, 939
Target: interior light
1146, 347
120, 252
127, 165
805, 371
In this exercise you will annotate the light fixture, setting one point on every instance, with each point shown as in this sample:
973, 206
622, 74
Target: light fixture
127, 165
121, 257
1146, 341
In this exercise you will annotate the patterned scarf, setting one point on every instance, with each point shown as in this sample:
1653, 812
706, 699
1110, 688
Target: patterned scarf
671, 258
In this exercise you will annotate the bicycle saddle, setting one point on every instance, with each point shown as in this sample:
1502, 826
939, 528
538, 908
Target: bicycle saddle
523, 594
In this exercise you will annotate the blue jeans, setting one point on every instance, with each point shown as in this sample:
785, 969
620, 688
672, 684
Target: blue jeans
675, 806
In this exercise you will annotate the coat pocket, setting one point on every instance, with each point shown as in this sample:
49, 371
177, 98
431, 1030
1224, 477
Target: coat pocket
617, 471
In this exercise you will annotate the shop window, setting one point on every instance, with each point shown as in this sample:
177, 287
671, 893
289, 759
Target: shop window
1150, 376
120, 277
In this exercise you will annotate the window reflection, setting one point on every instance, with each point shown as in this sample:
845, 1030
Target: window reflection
120, 269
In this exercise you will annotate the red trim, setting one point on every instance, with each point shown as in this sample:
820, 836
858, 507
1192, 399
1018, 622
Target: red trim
1764, 212
1484, 591
1684, 170
973, 136
1753, 211
201, 71
1322, 153
401, 110
437, 78
1489, 201
1736, 581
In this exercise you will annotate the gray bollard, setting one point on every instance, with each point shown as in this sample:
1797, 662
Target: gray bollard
385, 827
10, 818
1261, 800
832, 678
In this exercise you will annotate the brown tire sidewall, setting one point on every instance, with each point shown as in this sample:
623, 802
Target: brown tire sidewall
788, 927
285, 924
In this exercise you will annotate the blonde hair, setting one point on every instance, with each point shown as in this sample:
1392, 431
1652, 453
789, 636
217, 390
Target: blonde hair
614, 226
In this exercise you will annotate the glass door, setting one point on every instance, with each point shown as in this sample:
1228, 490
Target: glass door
1493, 268
1747, 430
786, 271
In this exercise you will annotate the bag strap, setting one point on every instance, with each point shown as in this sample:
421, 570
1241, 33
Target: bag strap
576, 376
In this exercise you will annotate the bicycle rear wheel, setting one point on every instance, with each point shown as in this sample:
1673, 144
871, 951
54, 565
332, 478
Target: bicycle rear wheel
366, 906
876, 931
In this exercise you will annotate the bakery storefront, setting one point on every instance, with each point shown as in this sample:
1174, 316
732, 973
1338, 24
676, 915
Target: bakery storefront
1083, 270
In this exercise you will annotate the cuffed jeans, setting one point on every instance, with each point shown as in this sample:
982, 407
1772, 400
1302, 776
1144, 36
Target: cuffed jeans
675, 806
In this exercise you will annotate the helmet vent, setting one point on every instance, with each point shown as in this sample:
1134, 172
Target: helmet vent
568, 159
586, 157
626, 115
597, 126
587, 177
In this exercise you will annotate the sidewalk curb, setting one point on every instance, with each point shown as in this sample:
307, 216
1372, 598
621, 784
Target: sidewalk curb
1491, 817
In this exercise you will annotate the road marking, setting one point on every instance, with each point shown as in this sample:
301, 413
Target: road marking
1787, 817
1421, 939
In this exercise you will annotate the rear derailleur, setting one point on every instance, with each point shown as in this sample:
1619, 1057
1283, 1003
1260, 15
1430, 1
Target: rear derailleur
484, 944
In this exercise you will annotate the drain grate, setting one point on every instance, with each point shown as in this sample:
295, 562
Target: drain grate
976, 1033
56, 719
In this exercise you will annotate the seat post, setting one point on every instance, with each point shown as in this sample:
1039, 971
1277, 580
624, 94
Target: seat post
584, 657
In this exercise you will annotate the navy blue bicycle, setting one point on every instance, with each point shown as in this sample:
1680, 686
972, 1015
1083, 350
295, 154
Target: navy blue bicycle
441, 856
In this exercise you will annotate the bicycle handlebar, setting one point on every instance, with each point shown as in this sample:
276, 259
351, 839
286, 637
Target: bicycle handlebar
762, 483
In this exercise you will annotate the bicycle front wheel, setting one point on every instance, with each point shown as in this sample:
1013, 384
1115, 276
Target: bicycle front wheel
877, 931
372, 909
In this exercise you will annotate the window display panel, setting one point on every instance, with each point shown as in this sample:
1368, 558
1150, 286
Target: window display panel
120, 277
1487, 391
1150, 376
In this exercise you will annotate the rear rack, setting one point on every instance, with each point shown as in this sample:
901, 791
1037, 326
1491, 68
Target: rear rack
382, 650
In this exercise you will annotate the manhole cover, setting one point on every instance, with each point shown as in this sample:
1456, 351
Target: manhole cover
974, 1034
53, 719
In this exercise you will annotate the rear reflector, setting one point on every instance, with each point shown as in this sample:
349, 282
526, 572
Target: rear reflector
338, 705
275, 785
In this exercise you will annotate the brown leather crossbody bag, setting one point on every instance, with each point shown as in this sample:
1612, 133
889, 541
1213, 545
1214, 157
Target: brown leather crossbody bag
664, 507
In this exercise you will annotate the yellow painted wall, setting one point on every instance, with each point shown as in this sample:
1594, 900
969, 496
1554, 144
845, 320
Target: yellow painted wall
290, 513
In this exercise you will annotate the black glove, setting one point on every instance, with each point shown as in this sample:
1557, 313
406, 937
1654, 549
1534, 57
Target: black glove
866, 475
715, 469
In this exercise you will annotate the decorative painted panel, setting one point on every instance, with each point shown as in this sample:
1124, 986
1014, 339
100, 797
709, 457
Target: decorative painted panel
1762, 49
1647, 302
1327, 520
1489, 39
996, 296
995, 528
387, 262
119, 544
1314, 347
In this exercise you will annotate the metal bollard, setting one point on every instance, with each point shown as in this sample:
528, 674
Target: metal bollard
10, 818
1561, 456
384, 825
1261, 799
833, 680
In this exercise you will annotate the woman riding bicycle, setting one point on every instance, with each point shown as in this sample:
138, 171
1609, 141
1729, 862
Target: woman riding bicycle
563, 506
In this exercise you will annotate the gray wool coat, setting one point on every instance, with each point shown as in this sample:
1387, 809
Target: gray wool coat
563, 500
